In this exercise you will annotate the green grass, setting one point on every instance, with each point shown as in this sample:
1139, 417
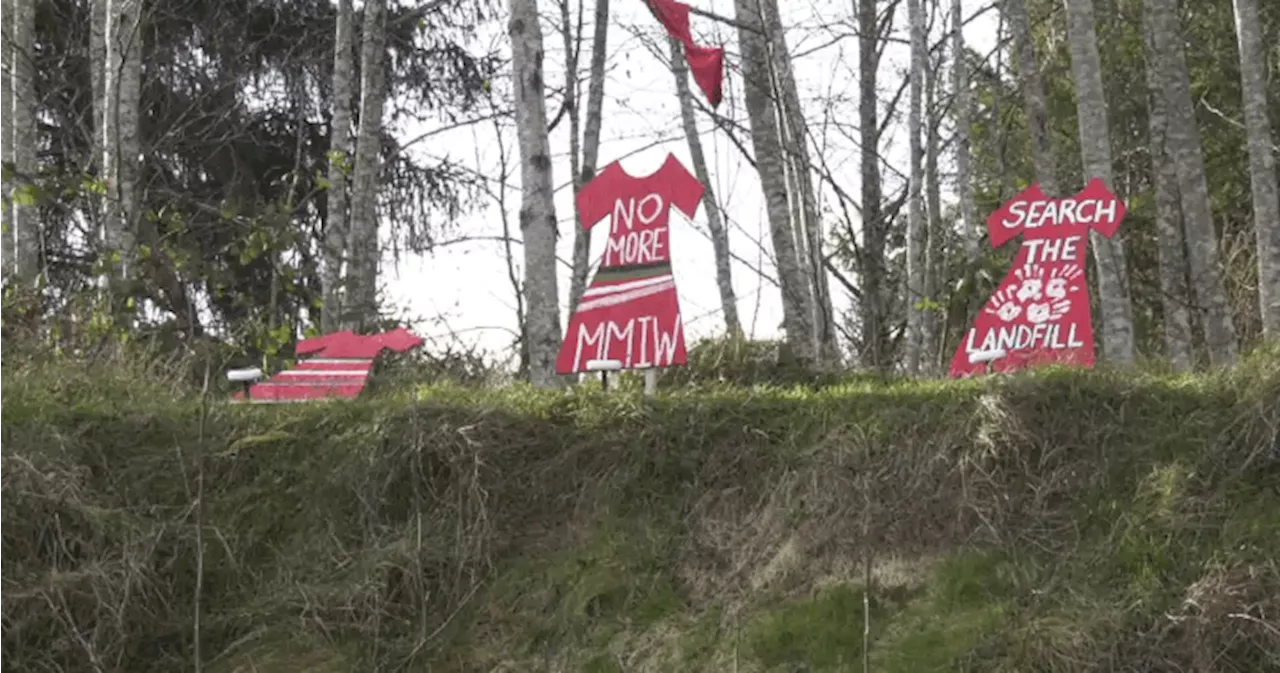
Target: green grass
1057, 521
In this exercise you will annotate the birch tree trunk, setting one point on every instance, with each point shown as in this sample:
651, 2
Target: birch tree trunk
1033, 97
118, 132
130, 151
1175, 294
537, 208
809, 229
875, 336
338, 223
964, 146
1004, 181
361, 302
797, 299
97, 75
1182, 142
1262, 162
578, 279
97, 69
21, 219
916, 233
8, 52
933, 252
1095, 147
715, 222
590, 146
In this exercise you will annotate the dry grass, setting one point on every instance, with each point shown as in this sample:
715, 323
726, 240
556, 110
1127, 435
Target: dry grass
1060, 521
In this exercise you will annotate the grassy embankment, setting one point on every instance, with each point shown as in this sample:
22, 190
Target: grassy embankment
1054, 522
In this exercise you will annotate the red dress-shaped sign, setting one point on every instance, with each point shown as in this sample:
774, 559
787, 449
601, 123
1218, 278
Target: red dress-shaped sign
1040, 312
630, 313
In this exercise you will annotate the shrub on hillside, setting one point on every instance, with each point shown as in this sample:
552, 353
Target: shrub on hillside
742, 362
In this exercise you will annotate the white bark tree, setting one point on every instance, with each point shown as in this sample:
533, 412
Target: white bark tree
584, 154
120, 71
590, 141
766, 140
1095, 148
715, 221
537, 208
873, 308
1262, 162
1033, 98
917, 237
361, 302
581, 239
807, 224
1175, 294
806, 220
7, 58
933, 252
338, 224
1182, 142
21, 221
969, 223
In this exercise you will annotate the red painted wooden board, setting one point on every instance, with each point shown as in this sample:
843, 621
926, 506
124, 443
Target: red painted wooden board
341, 367
631, 311
1040, 312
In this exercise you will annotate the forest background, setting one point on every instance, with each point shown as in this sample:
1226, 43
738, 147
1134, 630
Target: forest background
182, 156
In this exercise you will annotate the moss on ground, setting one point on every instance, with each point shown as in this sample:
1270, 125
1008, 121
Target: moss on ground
1057, 521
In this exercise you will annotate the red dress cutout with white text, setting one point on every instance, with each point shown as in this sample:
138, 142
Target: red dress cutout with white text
1040, 312
630, 312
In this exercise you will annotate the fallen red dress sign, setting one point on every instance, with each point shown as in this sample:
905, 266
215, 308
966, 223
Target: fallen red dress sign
339, 366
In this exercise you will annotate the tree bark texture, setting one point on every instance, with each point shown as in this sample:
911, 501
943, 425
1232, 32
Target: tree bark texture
1033, 97
933, 252
1175, 293
873, 308
21, 218
537, 207
917, 235
969, 223
715, 221
338, 222
590, 145
795, 136
771, 165
1262, 162
8, 49
1182, 142
1095, 147
361, 302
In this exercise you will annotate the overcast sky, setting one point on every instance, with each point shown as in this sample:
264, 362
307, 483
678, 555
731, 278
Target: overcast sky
462, 290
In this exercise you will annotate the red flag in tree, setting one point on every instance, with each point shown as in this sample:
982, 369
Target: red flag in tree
706, 63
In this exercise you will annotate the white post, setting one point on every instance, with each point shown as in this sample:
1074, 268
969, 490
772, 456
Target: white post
650, 381
245, 377
987, 357
604, 367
